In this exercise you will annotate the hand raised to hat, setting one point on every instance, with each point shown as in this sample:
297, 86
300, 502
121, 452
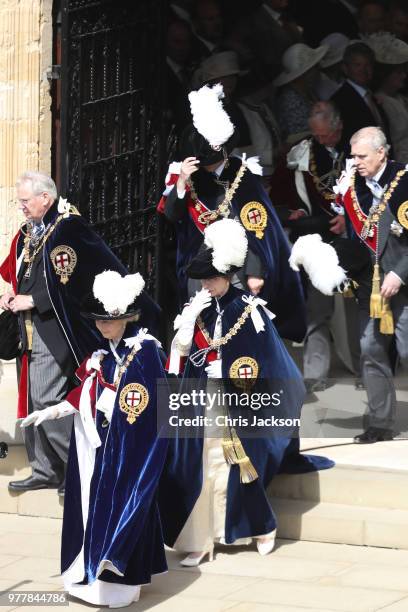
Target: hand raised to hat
187, 168
201, 300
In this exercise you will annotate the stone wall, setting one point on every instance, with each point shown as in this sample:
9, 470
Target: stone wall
25, 134
25, 116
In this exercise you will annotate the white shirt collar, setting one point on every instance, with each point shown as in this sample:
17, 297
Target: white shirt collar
210, 46
359, 89
274, 14
174, 65
349, 6
379, 174
220, 168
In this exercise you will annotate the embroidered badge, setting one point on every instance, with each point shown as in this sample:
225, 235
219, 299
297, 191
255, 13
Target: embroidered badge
244, 371
254, 218
403, 214
64, 259
133, 400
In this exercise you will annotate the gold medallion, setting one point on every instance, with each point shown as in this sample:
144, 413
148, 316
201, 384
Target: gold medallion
133, 400
244, 372
403, 214
64, 259
254, 218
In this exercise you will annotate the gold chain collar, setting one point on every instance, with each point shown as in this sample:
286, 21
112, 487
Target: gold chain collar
215, 344
122, 369
208, 216
320, 186
373, 217
29, 258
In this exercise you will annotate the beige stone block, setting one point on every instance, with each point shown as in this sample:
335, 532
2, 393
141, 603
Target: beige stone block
399, 606
195, 584
44, 502
13, 523
251, 563
35, 544
15, 465
388, 529
176, 603
42, 569
8, 559
321, 522
251, 607
371, 576
8, 501
345, 599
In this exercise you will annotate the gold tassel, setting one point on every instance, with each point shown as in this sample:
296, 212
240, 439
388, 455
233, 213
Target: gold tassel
348, 293
375, 299
387, 320
234, 454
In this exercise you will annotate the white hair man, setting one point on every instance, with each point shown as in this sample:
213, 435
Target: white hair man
316, 164
52, 262
374, 193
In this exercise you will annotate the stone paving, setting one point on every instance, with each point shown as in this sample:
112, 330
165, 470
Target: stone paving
296, 577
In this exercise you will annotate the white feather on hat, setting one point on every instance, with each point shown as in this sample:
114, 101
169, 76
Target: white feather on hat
117, 292
209, 116
229, 243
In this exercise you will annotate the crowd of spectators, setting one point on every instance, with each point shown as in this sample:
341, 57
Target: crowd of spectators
277, 58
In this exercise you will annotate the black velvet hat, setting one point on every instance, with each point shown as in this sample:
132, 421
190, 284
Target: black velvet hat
354, 257
192, 144
113, 297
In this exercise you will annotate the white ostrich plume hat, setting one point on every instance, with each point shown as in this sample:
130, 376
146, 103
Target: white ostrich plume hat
116, 292
209, 116
228, 241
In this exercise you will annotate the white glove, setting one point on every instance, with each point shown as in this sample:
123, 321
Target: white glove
201, 300
214, 369
186, 321
48, 414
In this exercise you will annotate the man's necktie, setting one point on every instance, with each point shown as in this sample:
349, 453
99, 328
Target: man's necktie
375, 189
368, 97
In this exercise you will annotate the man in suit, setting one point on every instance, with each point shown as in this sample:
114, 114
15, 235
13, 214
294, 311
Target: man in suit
51, 266
374, 194
315, 165
208, 28
178, 72
356, 103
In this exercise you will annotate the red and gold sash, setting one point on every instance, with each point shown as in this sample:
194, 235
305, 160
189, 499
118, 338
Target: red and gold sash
357, 218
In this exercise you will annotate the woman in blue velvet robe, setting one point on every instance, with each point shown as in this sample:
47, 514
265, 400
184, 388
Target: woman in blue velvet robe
225, 502
111, 539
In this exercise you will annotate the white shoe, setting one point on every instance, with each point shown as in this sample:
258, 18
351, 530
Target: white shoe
194, 559
266, 544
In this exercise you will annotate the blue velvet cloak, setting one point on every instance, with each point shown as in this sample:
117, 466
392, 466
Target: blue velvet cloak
249, 512
282, 290
123, 523
93, 257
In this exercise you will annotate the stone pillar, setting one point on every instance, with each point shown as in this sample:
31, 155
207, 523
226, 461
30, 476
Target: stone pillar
25, 127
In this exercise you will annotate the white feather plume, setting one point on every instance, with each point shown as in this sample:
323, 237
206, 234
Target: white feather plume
117, 292
320, 262
252, 164
229, 243
209, 116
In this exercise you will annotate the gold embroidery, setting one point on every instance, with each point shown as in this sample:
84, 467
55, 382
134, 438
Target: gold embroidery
208, 216
64, 259
254, 218
402, 214
133, 400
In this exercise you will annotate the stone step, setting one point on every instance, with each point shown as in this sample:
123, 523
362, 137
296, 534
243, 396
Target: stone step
348, 485
341, 524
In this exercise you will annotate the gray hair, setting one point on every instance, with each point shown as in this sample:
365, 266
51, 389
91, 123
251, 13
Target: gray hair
327, 112
373, 136
40, 183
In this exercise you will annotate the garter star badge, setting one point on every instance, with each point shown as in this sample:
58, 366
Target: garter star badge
133, 400
64, 259
244, 371
254, 218
403, 214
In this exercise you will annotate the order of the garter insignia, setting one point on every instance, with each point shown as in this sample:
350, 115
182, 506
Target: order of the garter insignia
133, 400
64, 260
244, 371
254, 218
403, 214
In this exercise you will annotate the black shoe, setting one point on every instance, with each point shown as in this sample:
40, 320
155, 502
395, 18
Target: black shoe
314, 384
358, 384
32, 483
61, 490
374, 434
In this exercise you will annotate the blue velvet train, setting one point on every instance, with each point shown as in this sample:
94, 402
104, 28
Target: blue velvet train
249, 512
123, 523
